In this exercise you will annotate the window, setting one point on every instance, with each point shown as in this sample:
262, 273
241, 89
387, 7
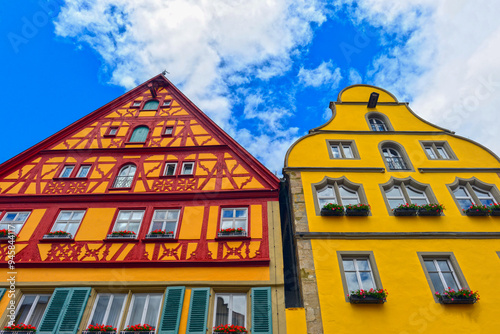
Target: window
377, 124
343, 150
168, 131
83, 171
136, 104
144, 309
338, 195
68, 221
15, 219
31, 308
139, 135
108, 309
230, 308
234, 218
473, 191
438, 150
402, 191
167, 103
187, 168
128, 220
67, 170
151, 105
442, 271
170, 168
393, 159
359, 271
165, 220
125, 177
112, 131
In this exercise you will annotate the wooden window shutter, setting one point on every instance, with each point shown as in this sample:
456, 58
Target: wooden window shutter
64, 312
198, 311
172, 308
261, 311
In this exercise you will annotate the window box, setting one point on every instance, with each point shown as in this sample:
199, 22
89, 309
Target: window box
160, 236
476, 213
350, 212
232, 232
365, 300
118, 236
137, 332
229, 329
455, 300
57, 235
94, 332
495, 212
326, 212
19, 329
462, 296
405, 212
424, 212
17, 332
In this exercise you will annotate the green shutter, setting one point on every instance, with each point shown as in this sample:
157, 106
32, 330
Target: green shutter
139, 135
198, 310
261, 311
2, 292
73, 311
172, 307
53, 312
64, 312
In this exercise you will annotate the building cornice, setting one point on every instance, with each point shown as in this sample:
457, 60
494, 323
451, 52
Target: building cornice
337, 169
397, 235
459, 170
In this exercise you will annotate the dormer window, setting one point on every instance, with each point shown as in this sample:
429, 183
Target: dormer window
151, 105
376, 124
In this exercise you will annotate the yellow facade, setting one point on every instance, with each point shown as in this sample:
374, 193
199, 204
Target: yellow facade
395, 247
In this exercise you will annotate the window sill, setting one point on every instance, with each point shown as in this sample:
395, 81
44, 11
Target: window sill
109, 136
4, 240
365, 300
57, 238
135, 143
159, 238
232, 236
185, 175
117, 189
166, 135
121, 238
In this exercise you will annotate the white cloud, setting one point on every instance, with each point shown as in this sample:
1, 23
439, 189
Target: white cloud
324, 74
208, 47
354, 77
447, 62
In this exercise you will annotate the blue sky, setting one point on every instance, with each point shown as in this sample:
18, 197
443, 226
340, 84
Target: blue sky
265, 71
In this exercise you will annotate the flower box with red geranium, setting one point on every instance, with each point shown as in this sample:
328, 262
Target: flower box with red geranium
160, 234
430, 210
58, 235
19, 329
5, 235
95, 329
122, 235
332, 209
462, 296
228, 232
142, 329
357, 210
229, 329
371, 296
477, 211
495, 209
406, 210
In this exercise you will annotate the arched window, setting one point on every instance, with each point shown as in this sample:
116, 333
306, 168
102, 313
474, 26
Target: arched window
125, 177
151, 105
377, 124
393, 158
139, 135
402, 191
473, 191
338, 191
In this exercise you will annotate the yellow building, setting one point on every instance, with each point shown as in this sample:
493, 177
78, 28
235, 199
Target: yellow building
377, 151
142, 212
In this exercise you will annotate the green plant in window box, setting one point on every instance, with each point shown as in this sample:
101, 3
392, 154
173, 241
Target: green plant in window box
19, 329
5, 234
495, 209
462, 296
99, 328
477, 210
123, 233
357, 209
406, 210
371, 296
229, 329
58, 234
332, 209
430, 210
145, 328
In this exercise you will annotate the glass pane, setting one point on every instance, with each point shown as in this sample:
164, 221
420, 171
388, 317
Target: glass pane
323, 202
429, 265
335, 151
9, 216
239, 310
153, 310
414, 193
347, 151
352, 281
450, 281
168, 131
115, 310
59, 227
112, 132
134, 227
366, 280
240, 224
241, 213
465, 203
173, 214
481, 193
226, 224
436, 282
137, 215
460, 192
120, 226
347, 193
84, 170
67, 171
486, 201
77, 216
430, 153
349, 201
24, 309
100, 310
443, 265
348, 265
221, 310
137, 309
160, 214
170, 227
187, 169
442, 153
40, 307
394, 203
65, 215
157, 226
419, 201
394, 192
362, 264
151, 105
124, 215
227, 213
72, 228
170, 170
326, 192
21, 217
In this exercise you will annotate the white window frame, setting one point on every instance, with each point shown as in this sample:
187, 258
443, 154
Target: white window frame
394, 159
164, 221
166, 168
168, 131
440, 273
468, 197
405, 196
33, 306
337, 199
233, 219
437, 151
136, 103
230, 307
113, 131
128, 221
481, 197
67, 222
342, 149
374, 126
129, 178
166, 103
183, 170
108, 308
358, 271
79, 174
15, 223
71, 168
146, 304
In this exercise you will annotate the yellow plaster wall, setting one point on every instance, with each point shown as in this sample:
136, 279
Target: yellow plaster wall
192, 220
296, 320
30, 225
362, 94
95, 224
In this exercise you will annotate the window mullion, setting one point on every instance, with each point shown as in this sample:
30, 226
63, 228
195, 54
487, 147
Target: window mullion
108, 309
146, 306
472, 194
337, 193
405, 194
358, 275
441, 277
32, 309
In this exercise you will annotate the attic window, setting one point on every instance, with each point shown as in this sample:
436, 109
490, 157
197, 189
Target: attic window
151, 105
168, 131
136, 104
167, 103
